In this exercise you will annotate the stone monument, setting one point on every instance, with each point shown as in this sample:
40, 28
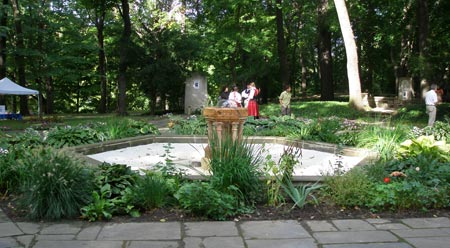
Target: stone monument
196, 93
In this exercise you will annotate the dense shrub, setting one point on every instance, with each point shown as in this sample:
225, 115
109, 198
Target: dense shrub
150, 191
351, 189
64, 136
55, 185
202, 199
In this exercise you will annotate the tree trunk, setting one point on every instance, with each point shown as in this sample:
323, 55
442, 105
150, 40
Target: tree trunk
325, 58
123, 63
20, 61
423, 33
99, 23
3, 37
282, 57
354, 83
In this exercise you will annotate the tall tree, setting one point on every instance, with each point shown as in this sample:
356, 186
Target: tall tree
19, 57
125, 41
324, 50
281, 41
3, 37
354, 84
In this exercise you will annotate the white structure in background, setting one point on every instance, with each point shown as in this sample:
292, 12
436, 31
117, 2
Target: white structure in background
195, 94
405, 89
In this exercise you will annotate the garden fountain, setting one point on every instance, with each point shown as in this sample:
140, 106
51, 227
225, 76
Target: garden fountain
189, 152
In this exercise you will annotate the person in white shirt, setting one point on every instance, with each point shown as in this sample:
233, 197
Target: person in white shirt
235, 98
431, 99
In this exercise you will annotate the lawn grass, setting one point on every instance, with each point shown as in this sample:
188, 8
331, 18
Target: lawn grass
410, 115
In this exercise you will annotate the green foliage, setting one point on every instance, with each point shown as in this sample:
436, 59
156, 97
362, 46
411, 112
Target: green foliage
113, 193
235, 163
122, 128
350, 189
191, 126
118, 176
299, 194
54, 186
383, 140
203, 199
281, 173
10, 173
59, 137
426, 146
403, 194
101, 206
150, 191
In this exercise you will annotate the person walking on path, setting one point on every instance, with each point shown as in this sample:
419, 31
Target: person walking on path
235, 98
253, 109
431, 99
285, 100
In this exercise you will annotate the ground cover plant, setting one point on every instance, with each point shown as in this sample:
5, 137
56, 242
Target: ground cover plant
411, 171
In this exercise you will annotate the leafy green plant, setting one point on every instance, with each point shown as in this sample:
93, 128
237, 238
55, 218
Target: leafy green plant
426, 146
101, 207
55, 185
202, 199
59, 137
150, 191
350, 189
194, 125
236, 163
118, 176
299, 195
122, 128
383, 140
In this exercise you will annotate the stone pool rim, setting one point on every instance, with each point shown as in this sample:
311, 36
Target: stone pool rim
83, 151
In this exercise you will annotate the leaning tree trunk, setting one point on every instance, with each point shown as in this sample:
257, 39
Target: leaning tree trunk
123, 63
354, 84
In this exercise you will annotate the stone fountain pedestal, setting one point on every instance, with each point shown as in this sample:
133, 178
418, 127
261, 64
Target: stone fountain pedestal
223, 123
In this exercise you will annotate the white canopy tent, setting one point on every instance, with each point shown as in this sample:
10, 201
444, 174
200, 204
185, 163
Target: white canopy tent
8, 87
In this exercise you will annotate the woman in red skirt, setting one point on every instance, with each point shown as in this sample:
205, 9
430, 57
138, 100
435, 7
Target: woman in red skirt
252, 104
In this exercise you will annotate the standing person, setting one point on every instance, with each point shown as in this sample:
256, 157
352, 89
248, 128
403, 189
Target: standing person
235, 98
245, 93
253, 109
223, 97
431, 99
285, 100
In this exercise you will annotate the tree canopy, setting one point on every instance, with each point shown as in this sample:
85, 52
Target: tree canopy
117, 56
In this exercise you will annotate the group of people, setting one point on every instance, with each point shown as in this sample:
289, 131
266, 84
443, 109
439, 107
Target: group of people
236, 99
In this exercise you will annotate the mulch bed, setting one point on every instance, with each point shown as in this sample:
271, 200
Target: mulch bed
309, 212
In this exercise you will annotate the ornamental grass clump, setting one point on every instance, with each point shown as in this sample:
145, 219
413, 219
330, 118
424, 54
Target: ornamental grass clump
236, 163
55, 185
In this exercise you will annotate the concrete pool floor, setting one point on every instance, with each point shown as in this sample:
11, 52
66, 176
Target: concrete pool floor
313, 163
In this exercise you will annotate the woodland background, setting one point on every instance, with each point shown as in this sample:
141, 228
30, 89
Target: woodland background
106, 56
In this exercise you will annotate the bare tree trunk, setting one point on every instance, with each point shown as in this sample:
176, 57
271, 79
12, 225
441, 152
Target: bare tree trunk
20, 61
282, 57
99, 23
325, 58
3, 37
123, 63
423, 33
354, 84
